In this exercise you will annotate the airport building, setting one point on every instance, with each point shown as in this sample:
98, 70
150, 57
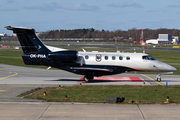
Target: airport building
164, 39
1, 36
176, 39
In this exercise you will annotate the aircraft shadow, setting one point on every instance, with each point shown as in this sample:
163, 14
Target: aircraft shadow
96, 81
64, 80
170, 81
162, 81
103, 81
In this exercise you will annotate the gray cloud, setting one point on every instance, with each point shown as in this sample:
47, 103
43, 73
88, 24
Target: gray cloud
134, 21
80, 7
5, 8
8, 9
10, 1
174, 6
56, 6
125, 5
49, 7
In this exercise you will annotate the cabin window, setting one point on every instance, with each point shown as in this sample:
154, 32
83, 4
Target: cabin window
98, 57
145, 58
106, 57
120, 58
127, 58
86, 57
113, 57
148, 57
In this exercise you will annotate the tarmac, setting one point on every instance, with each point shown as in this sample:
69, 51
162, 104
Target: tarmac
84, 111
15, 80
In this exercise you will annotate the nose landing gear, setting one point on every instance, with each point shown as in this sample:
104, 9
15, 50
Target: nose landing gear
158, 78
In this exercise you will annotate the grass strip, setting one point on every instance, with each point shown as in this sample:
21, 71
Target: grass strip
97, 94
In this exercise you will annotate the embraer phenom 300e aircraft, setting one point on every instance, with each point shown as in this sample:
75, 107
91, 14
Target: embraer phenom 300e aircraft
89, 64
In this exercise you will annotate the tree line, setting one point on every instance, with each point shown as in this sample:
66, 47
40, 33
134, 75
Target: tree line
92, 33
133, 33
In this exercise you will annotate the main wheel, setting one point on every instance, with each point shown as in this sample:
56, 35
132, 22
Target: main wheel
88, 78
158, 78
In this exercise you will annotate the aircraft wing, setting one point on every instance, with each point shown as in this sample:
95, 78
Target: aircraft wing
92, 69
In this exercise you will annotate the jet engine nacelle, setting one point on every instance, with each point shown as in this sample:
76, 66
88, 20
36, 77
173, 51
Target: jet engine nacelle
64, 56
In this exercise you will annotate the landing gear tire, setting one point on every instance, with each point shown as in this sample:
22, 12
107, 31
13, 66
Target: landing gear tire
88, 78
158, 78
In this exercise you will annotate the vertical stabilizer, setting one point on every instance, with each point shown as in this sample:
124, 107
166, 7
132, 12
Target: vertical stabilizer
28, 40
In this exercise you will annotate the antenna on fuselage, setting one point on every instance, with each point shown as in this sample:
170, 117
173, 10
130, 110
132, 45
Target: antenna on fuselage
49, 68
134, 50
83, 50
143, 50
117, 50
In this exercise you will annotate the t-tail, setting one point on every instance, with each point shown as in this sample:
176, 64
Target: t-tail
30, 43
35, 52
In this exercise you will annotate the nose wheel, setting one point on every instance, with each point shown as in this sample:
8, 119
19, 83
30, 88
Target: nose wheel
158, 78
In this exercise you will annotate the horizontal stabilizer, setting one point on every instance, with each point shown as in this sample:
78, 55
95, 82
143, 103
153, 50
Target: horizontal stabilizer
22, 28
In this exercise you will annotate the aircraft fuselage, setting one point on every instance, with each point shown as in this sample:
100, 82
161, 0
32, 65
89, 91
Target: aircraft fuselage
85, 63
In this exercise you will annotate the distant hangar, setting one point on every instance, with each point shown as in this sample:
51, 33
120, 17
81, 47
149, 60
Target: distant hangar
2, 35
164, 39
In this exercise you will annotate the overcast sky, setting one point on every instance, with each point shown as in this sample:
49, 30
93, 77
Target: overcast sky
109, 15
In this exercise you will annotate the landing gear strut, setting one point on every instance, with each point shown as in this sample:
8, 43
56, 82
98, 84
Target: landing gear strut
88, 78
158, 78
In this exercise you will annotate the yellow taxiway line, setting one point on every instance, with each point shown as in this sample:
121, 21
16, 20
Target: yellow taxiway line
152, 79
3, 90
15, 73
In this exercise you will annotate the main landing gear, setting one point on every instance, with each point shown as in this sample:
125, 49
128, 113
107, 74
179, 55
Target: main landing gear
88, 78
158, 78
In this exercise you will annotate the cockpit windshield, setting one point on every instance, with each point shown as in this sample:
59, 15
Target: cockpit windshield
148, 57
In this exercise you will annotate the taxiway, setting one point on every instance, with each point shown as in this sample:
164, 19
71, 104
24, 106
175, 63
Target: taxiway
84, 111
24, 75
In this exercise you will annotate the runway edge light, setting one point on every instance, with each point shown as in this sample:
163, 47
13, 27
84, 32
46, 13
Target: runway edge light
131, 101
143, 83
80, 84
167, 99
65, 97
44, 93
137, 101
59, 86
